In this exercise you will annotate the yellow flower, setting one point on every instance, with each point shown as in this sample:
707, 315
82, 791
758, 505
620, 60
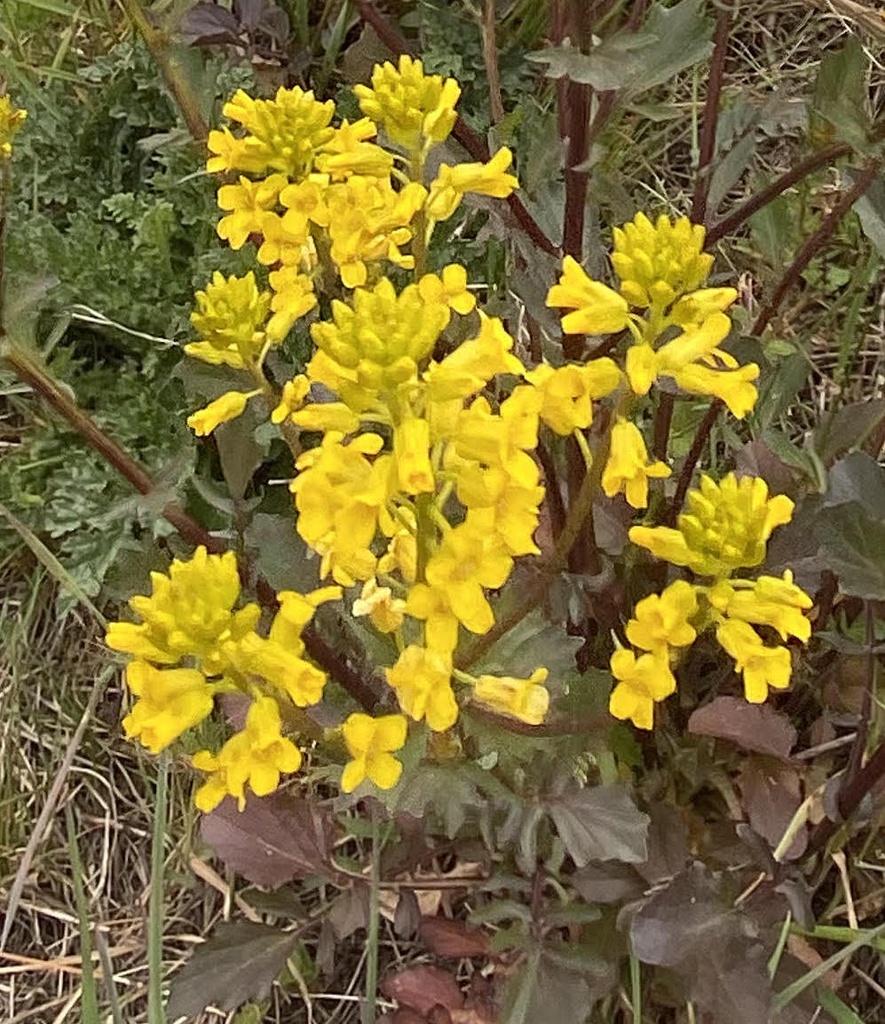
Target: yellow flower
628, 468
411, 453
473, 363
348, 152
370, 742
170, 701
663, 619
467, 561
382, 338
408, 104
497, 506
657, 263
567, 392
232, 154
339, 494
293, 296
693, 309
767, 601
450, 288
421, 679
294, 393
452, 183
230, 405
502, 440
641, 682
283, 133
188, 613
762, 666
694, 360
368, 222
229, 318
597, 308
324, 416
305, 203
726, 527
524, 699
257, 756
11, 121
385, 610
247, 205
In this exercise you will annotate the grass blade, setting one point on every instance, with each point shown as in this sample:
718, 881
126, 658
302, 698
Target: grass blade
156, 1013
89, 995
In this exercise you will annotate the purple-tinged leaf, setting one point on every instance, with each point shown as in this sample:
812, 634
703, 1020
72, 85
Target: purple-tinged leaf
600, 823
756, 727
272, 840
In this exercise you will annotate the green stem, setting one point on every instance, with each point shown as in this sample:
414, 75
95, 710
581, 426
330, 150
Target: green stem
424, 509
156, 1014
158, 44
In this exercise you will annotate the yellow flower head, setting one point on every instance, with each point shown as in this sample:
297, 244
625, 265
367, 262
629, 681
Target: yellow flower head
230, 405
170, 701
525, 699
229, 318
503, 440
473, 363
450, 288
257, 756
726, 527
11, 121
339, 493
370, 742
283, 134
762, 667
348, 152
409, 105
453, 183
663, 619
368, 222
567, 392
293, 296
188, 614
658, 263
382, 337
767, 601
628, 468
597, 308
640, 682
499, 507
246, 205
421, 679
385, 610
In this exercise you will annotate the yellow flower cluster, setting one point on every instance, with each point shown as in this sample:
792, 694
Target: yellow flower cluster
425, 484
726, 528
11, 121
681, 326
308, 193
191, 645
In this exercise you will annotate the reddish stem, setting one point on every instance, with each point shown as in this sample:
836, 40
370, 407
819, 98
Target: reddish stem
710, 117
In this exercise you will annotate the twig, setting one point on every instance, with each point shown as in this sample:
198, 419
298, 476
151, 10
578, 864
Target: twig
813, 162
855, 757
851, 798
192, 531
490, 58
158, 45
815, 243
710, 117
692, 459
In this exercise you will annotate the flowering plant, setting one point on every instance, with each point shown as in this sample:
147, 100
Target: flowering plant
426, 486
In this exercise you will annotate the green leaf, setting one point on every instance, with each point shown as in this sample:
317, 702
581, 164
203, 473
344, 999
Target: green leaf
600, 823
841, 94
870, 209
239, 451
281, 556
239, 963
532, 643
848, 428
853, 546
671, 40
